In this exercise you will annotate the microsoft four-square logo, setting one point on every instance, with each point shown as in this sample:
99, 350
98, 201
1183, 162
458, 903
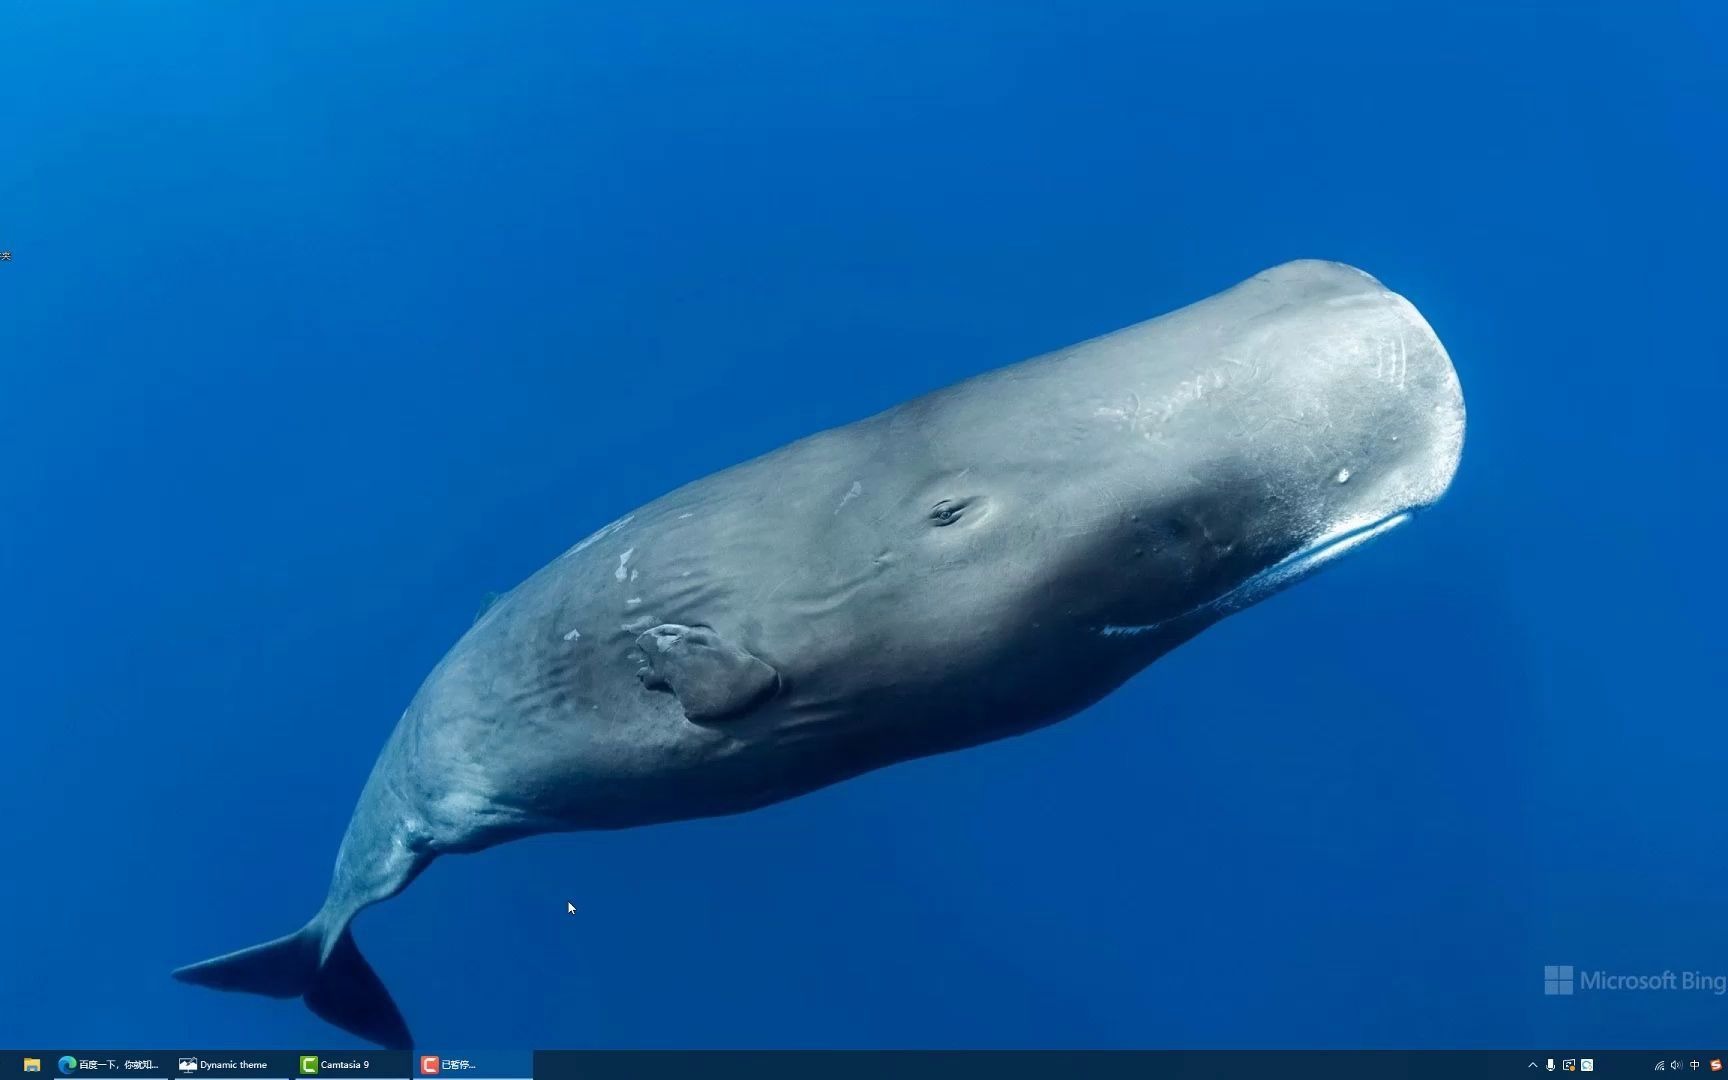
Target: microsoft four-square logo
1557, 979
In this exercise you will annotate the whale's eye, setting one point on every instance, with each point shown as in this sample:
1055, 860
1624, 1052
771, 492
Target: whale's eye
946, 512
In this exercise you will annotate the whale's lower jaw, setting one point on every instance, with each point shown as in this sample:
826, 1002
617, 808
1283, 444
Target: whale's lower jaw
1275, 578
1301, 564
1294, 568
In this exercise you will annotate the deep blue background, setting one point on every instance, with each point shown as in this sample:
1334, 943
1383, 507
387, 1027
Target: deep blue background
323, 322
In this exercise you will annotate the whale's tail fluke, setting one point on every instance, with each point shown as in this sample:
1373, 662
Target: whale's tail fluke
338, 985
385, 847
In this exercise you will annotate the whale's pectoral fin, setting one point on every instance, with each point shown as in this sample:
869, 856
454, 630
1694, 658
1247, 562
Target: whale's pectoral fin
713, 679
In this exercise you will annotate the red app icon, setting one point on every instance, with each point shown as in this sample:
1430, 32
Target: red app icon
429, 1064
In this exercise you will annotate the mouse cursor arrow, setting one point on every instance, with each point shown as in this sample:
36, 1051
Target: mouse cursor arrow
569, 907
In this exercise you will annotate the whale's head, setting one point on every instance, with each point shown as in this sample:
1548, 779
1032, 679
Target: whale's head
1143, 485
1327, 414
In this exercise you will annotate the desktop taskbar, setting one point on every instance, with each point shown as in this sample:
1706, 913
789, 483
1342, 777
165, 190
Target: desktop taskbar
61, 1063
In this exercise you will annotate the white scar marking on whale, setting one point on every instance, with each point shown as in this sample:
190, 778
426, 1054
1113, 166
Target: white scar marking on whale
602, 534
573, 635
1144, 417
620, 573
681, 517
1128, 631
853, 492
633, 575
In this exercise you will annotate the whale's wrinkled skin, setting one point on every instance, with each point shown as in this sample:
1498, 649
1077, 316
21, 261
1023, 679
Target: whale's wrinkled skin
976, 563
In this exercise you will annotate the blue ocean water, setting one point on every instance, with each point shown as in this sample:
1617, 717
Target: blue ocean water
323, 323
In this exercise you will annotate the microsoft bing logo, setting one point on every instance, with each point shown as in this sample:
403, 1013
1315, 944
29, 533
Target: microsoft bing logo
1557, 979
